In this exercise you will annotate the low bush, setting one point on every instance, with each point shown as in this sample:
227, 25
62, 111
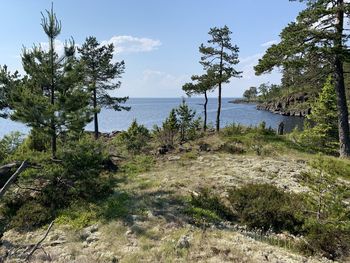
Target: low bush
266, 207
30, 215
208, 207
9, 144
137, 164
232, 148
135, 138
328, 240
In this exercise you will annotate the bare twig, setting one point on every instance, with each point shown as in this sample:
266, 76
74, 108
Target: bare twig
37, 245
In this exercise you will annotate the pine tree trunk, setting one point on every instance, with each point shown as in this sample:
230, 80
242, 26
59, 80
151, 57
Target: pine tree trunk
53, 125
95, 114
343, 114
219, 110
205, 111
220, 84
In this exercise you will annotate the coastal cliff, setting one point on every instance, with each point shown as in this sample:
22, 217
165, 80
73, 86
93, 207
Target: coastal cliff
293, 105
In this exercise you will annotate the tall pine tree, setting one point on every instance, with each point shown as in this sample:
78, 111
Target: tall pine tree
51, 97
317, 32
219, 57
100, 72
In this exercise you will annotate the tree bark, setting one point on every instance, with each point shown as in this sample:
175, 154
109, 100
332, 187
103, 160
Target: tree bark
219, 96
205, 111
219, 110
343, 114
53, 126
95, 113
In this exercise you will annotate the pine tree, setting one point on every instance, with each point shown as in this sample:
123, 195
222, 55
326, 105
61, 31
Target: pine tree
50, 98
170, 128
317, 32
219, 57
8, 82
185, 117
323, 119
201, 85
100, 72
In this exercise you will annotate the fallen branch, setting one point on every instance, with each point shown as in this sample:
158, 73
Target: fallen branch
4, 189
6, 168
37, 245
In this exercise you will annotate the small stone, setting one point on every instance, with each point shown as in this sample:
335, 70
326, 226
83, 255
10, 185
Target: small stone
174, 158
184, 242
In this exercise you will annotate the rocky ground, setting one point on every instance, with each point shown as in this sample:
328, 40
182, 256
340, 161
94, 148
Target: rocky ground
157, 230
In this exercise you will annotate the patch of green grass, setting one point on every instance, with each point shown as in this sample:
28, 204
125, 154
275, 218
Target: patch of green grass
78, 215
138, 164
189, 156
335, 167
201, 215
116, 206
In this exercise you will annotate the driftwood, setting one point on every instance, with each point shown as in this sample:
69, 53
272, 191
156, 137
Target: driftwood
6, 168
13, 177
37, 245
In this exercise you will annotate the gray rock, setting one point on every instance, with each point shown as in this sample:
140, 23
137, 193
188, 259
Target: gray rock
183, 242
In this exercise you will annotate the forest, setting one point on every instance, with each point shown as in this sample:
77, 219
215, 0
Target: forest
186, 190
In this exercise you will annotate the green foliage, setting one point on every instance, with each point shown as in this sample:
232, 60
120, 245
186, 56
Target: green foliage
138, 164
8, 82
78, 215
169, 130
51, 97
185, 117
207, 207
329, 240
321, 128
30, 215
9, 144
99, 73
135, 138
266, 207
219, 58
115, 206
250, 94
78, 176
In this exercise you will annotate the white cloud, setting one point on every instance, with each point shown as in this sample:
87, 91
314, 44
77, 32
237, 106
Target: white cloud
130, 44
269, 43
122, 44
153, 83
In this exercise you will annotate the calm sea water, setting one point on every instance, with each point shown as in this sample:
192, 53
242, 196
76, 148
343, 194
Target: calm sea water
153, 111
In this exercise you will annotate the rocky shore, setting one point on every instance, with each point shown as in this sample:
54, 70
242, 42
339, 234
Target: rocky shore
294, 105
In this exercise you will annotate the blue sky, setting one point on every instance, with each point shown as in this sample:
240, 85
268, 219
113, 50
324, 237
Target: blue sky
158, 39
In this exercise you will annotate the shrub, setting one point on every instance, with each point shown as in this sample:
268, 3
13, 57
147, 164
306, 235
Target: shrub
166, 134
232, 148
135, 138
78, 215
329, 240
321, 126
266, 207
31, 215
138, 164
207, 206
9, 144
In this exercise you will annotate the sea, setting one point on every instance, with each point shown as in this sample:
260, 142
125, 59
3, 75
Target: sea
153, 111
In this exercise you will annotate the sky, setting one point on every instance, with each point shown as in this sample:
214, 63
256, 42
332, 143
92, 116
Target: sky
157, 39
